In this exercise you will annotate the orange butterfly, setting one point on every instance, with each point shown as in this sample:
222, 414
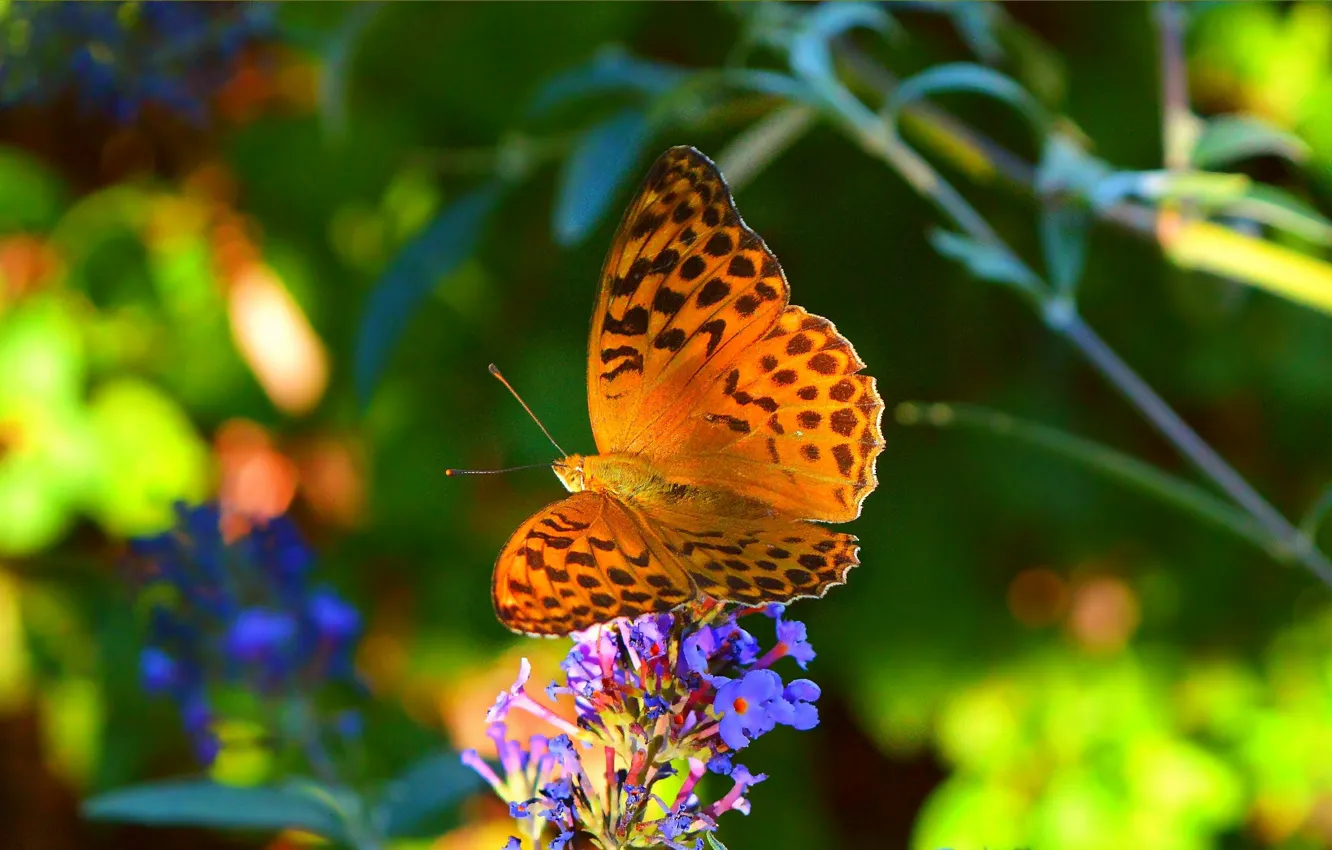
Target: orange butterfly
728, 422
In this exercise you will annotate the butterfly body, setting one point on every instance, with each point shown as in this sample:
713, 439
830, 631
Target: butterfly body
635, 481
730, 424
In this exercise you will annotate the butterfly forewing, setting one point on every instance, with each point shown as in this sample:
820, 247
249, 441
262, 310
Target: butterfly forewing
697, 361
581, 561
791, 422
687, 287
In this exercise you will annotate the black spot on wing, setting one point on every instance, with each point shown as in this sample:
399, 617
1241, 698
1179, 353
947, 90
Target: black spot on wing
634, 323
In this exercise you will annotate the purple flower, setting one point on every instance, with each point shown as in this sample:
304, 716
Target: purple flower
561, 841
750, 706
562, 747
792, 636
500, 709
800, 694
513, 844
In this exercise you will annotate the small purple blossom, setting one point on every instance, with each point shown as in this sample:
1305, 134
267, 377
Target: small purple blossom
791, 634
750, 706
801, 693
689, 687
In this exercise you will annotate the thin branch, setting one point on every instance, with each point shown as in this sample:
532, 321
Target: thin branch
1293, 543
948, 135
1176, 118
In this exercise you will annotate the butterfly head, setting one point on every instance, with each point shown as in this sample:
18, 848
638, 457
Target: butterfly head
570, 472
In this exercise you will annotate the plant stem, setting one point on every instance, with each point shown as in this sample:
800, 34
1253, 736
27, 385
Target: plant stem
1176, 120
1288, 541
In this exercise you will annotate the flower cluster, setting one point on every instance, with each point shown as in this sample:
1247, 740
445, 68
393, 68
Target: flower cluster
661, 701
237, 612
118, 56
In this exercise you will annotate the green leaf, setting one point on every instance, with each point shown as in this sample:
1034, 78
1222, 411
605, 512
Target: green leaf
1113, 464
1280, 209
994, 263
611, 70
199, 802
437, 251
969, 77
1228, 139
601, 163
425, 789
714, 843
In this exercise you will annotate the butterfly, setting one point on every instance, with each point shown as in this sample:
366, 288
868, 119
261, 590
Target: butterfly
729, 425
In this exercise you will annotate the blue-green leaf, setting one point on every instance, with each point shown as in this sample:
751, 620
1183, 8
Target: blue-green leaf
425, 789
200, 802
1228, 139
994, 263
1064, 229
810, 54
612, 69
977, 23
338, 53
599, 166
970, 77
768, 82
437, 251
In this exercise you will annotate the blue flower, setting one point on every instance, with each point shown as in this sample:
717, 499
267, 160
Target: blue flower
720, 763
158, 670
800, 693
561, 841
260, 635
792, 635
335, 620
513, 844
750, 706
240, 613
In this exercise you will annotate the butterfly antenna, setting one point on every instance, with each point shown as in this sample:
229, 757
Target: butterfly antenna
453, 472
494, 370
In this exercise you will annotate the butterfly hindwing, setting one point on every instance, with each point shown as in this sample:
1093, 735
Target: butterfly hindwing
580, 561
686, 288
753, 561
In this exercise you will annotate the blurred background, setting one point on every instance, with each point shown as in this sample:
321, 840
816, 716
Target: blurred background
263, 254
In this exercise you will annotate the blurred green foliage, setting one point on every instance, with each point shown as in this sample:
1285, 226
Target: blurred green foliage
1030, 655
